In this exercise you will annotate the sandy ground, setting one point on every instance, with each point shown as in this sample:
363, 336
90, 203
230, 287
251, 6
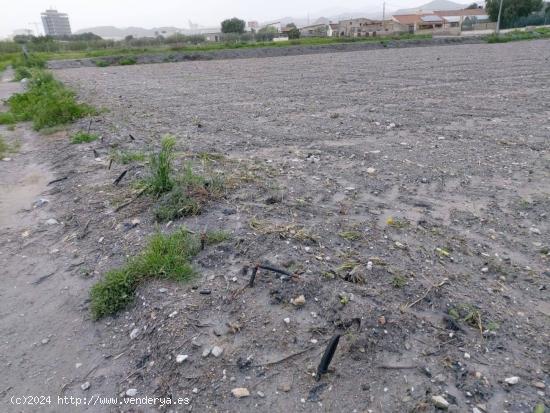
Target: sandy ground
401, 187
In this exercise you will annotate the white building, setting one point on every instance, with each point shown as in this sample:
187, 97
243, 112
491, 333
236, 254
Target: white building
55, 23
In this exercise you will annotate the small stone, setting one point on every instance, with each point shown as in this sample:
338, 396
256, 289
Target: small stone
534, 230
284, 387
476, 410
512, 380
369, 265
195, 390
217, 351
467, 355
539, 385
131, 392
440, 402
439, 378
206, 352
371, 170
52, 221
313, 341
240, 392
485, 269
163, 290
78, 365
260, 394
173, 314
85, 386
180, 358
382, 320
286, 320
298, 301
134, 333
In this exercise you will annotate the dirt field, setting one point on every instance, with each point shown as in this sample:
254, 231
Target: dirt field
406, 190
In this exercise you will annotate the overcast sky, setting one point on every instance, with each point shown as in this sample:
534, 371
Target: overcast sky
19, 14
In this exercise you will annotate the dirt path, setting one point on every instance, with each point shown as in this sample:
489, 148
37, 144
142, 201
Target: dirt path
48, 346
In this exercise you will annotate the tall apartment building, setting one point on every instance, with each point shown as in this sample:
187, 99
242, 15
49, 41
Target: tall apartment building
55, 23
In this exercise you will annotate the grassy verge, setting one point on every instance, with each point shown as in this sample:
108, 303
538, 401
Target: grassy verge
46, 102
83, 137
165, 257
516, 35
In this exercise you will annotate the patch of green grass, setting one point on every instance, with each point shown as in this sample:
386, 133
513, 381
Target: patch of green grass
351, 235
216, 237
176, 204
126, 157
127, 61
165, 257
7, 118
46, 102
161, 180
22, 73
516, 35
83, 137
6, 148
398, 281
101, 63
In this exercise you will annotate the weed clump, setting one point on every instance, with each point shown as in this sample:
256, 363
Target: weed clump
161, 167
126, 157
83, 137
165, 257
46, 103
7, 118
126, 61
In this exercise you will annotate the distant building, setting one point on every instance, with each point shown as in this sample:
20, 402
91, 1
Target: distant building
361, 28
56, 24
253, 25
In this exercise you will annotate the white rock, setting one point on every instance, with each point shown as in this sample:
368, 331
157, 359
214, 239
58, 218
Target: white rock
134, 333
240, 392
131, 392
369, 265
217, 351
260, 394
52, 221
180, 358
163, 290
298, 301
466, 355
286, 320
440, 402
173, 314
206, 352
195, 390
512, 380
371, 170
45, 341
85, 386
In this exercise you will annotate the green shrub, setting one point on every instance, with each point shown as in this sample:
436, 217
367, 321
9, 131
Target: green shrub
126, 61
46, 102
101, 63
22, 72
165, 257
126, 157
83, 137
161, 167
6, 118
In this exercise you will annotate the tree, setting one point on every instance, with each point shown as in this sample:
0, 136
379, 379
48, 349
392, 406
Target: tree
512, 9
233, 25
292, 31
473, 6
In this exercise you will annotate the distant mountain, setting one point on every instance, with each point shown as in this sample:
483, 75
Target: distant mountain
431, 6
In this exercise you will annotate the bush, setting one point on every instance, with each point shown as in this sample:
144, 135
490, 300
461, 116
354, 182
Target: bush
101, 63
6, 118
46, 102
126, 61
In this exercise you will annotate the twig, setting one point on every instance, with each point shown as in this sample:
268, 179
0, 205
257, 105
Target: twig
290, 356
57, 180
441, 284
392, 367
122, 175
140, 193
89, 126
110, 164
84, 232
42, 279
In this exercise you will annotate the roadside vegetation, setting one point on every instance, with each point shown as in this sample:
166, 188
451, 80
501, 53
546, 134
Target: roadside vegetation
516, 35
46, 102
165, 257
83, 137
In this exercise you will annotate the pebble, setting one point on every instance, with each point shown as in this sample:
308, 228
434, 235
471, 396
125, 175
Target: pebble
85, 386
467, 355
440, 378
52, 221
134, 333
260, 394
163, 290
240, 392
45, 341
217, 351
512, 380
180, 358
539, 385
440, 402
371, 170
298, 301
195, 390
131, 392
286, 320
369, 265
284, 387
206, 352
173, 314
535, 230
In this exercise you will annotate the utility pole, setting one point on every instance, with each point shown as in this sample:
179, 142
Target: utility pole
384, 15
498, 20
